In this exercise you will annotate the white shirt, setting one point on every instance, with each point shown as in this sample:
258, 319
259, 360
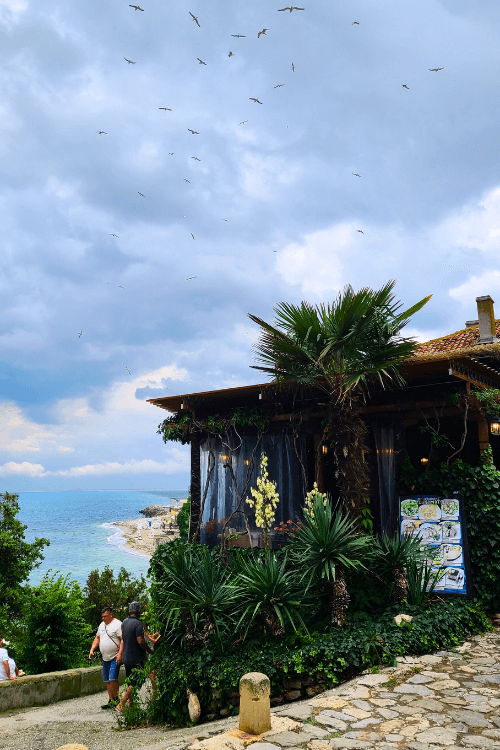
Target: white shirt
109, 639
4, 656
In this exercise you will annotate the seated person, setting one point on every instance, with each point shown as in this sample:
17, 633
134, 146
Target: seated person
8, 669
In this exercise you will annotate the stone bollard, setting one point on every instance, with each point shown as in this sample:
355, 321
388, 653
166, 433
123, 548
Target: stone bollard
255, 706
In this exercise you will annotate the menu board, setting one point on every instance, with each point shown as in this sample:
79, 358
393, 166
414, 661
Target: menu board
439, 523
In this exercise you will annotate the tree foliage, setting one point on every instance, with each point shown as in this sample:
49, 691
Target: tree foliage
104, 589
55, 635
184, 518
17, 557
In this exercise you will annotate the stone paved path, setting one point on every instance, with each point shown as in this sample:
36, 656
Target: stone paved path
444, 701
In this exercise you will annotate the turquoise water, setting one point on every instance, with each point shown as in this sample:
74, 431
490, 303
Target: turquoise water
77, 524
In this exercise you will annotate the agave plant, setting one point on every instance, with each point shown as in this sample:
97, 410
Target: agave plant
422, 580
271, 590
195, 597
327, 544
392, 556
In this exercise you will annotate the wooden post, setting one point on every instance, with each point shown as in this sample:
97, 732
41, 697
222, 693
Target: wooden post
484, 433
195, 486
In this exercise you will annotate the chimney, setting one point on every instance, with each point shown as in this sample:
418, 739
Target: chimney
486, 315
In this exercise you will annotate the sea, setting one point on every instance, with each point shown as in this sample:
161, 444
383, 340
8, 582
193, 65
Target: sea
79, 527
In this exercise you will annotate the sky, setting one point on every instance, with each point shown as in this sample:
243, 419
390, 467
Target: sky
260, 205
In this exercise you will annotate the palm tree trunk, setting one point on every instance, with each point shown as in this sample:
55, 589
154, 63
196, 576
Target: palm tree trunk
400, 590
345, 432
339, 599
275, 627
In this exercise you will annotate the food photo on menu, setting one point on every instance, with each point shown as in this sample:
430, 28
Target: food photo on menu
449, 508
455, 578
429, 509
410, 527
430, 533
451, 531
452, 554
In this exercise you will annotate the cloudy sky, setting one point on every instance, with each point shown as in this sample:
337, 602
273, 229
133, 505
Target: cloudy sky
271, 201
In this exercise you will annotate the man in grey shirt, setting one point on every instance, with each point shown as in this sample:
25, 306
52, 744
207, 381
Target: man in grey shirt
134, 652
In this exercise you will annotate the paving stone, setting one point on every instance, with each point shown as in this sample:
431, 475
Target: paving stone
482, 707
482, 661
431, 659
285, 739
343, 744
373, 679
387, 713
335, 715
329, 721
382, 701
430, 704
413, 689
365, 723
357, 713
419, 679
311, 730
471, 718
394, 737
364, 705
408, 710
474, 740
299, 713
445, 685
487, 678
264, 746
435, 675
494, 733
386, 694
437, 736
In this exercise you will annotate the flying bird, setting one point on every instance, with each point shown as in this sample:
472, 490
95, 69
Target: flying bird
224, 219
194, 132
130, 62
360, 230
192, 235
195, 158
355, 23
171, 153
186, 180
201, 61
356, 174
101, 132
137, 7
290, 8
280, 85
231, 54
141, 194
239, 36
113, 235
125, 366
80, 334
242, 123
293, 68
252, 99
404, 86
435, 70
262, 32
191, 277
167, 109
195, 19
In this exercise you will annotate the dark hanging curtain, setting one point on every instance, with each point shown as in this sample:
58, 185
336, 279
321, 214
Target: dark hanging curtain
384, 443
283, 467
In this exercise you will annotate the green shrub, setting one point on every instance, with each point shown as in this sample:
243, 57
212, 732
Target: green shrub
183, 519
329, 653
480, 486
103, 589
55, 635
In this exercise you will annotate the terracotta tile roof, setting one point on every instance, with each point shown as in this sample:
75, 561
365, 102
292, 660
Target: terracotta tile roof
458, 344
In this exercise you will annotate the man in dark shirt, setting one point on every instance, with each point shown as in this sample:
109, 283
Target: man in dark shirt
134, 651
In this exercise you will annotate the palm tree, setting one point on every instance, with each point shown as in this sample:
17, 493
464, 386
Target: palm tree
340, 348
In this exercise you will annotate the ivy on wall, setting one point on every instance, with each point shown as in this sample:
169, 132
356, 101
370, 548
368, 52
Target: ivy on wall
181, 426
480, 486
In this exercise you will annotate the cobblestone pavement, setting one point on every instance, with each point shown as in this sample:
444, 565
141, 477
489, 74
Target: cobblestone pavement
444, 701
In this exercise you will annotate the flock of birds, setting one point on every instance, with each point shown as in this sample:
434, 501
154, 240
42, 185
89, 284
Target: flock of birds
256, 100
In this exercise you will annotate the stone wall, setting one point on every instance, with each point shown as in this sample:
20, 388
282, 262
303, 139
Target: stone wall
42, 689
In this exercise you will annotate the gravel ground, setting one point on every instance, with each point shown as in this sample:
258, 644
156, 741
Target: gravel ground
81, 720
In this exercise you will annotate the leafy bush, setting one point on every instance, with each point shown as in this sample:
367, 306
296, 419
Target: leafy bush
17, 559
103, 589
329, 654
55, 635
480, 486
183, 519
392, 557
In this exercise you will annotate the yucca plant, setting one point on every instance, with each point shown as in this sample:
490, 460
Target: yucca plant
326, 545
272, 591
195, 596
422, 580
392, 556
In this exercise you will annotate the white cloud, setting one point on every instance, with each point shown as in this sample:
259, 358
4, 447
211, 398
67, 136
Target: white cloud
477, 286
18, 434
25, 469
